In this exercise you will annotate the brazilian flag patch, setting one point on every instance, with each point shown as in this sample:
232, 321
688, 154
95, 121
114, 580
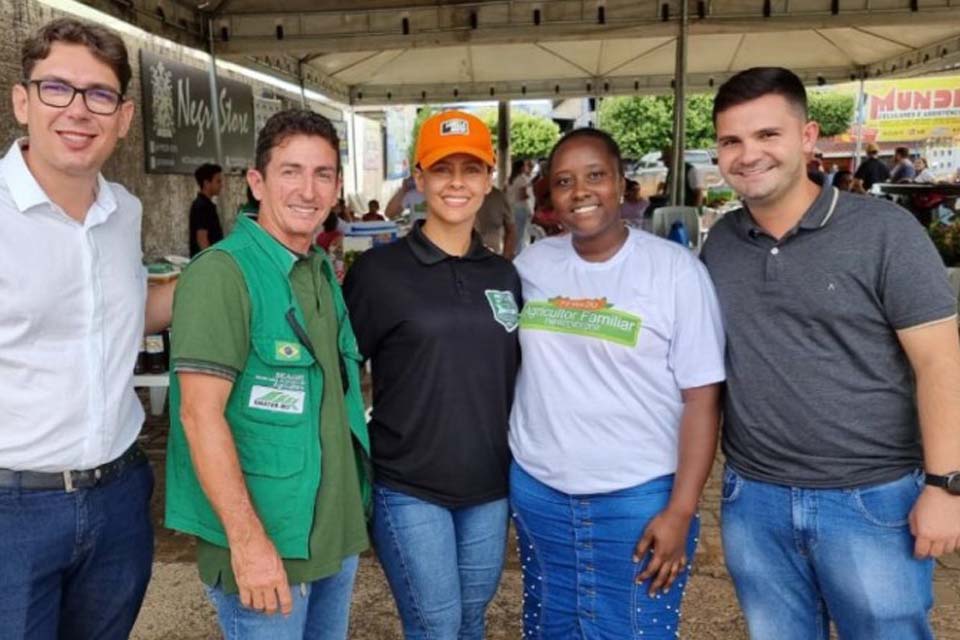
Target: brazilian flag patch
287, 351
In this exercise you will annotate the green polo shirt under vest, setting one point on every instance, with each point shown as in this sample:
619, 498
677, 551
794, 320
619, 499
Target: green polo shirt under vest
211, 334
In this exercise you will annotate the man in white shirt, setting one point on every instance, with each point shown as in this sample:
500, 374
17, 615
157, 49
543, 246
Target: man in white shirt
75, 532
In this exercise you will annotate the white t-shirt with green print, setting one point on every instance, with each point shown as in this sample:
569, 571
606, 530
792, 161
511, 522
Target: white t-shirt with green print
607, 348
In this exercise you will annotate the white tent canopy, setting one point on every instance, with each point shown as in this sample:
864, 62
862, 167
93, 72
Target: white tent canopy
402, 51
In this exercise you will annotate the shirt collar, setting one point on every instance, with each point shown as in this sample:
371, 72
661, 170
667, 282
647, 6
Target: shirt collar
277, 252
816, 216
429, 254
24, 188
27, 192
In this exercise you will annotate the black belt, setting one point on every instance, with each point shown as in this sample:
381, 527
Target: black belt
70, 481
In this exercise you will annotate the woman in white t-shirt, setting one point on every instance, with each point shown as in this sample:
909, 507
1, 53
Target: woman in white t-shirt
615, 419
520, 196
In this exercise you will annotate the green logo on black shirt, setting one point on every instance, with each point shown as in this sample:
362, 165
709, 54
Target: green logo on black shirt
504, 307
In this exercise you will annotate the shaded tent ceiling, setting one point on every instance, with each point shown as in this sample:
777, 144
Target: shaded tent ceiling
400, 51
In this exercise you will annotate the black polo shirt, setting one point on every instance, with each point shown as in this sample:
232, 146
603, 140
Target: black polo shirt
203, 215
441, 332
819, 392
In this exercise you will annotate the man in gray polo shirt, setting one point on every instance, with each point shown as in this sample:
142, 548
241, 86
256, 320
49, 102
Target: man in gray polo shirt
842, 351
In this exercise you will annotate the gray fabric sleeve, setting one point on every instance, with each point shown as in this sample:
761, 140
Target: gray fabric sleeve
914, 285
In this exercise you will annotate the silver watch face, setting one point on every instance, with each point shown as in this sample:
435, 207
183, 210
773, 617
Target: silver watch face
953, 483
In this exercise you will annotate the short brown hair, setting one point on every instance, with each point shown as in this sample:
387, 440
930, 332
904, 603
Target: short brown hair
292, 122
105, 45
758, 82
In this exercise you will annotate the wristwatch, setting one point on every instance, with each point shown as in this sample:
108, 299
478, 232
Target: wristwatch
950, 482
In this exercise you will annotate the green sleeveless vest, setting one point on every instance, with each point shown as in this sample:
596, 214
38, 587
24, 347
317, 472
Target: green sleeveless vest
274, 406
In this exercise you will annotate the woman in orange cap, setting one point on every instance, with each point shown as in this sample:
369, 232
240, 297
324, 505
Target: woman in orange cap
437, 313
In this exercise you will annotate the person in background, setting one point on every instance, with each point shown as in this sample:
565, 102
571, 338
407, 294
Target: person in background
844, 181
840, 425
832, 174
373, 213
205, 229
265, 458
76, 540
342, 211
495, 224
634, 206
407, 198
923, 173
815, 170
693, 194
872, 170
330, 232
615, 420
519, 195
903, 170
250, 208
436, 313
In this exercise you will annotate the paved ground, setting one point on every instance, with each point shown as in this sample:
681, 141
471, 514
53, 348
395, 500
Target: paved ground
176, 609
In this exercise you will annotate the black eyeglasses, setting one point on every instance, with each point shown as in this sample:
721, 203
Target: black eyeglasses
98, 100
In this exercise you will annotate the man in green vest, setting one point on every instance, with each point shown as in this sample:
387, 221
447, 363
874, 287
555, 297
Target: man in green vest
268, 443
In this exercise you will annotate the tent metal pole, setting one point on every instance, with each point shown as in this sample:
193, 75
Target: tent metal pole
678, 178
503, 143
214, 92
861, 110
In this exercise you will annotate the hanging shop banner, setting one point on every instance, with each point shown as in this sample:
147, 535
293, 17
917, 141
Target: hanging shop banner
400, 121
913, 109
906, 110
178, 121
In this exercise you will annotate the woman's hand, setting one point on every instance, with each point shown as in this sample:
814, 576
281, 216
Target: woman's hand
666, 540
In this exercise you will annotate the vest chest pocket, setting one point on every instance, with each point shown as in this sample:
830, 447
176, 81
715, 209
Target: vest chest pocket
275, 387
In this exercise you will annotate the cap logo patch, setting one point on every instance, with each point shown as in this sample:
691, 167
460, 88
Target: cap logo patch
455, 127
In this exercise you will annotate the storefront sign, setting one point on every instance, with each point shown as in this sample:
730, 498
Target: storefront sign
178, 119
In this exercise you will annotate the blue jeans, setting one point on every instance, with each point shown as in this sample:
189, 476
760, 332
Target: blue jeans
321, 610
75, 565
576, 552
443, 565
802, 557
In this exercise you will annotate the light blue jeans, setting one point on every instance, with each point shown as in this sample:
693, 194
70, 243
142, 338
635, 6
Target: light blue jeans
576, 553
321, 611
800, 558
443, 565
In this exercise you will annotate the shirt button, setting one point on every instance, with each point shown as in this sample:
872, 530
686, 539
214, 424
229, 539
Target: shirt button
775, 251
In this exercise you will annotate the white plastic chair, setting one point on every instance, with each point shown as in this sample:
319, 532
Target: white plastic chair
664, 217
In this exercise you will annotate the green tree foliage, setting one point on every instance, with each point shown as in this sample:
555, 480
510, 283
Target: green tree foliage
833, 111
643, 124
531, 136
422, 115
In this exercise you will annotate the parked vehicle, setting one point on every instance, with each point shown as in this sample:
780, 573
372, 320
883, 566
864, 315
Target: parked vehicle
651, 171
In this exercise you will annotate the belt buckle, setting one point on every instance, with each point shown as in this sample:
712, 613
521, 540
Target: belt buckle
68, 482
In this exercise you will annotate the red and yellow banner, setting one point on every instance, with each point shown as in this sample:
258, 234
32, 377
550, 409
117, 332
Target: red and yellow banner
909, 109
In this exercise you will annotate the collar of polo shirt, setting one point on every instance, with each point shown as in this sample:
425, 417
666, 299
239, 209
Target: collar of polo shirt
816, 217
429, 253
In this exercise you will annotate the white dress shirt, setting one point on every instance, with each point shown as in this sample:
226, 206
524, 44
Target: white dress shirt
72, 299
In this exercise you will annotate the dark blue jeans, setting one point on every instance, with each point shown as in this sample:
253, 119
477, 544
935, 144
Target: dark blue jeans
576, 553
800, 558
443, 565
75, 565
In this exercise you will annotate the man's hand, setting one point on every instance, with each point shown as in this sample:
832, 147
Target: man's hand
256, 564
261, 579
935, 523
666, 540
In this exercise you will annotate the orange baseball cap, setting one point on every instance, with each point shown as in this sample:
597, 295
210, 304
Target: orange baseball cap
450, 132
